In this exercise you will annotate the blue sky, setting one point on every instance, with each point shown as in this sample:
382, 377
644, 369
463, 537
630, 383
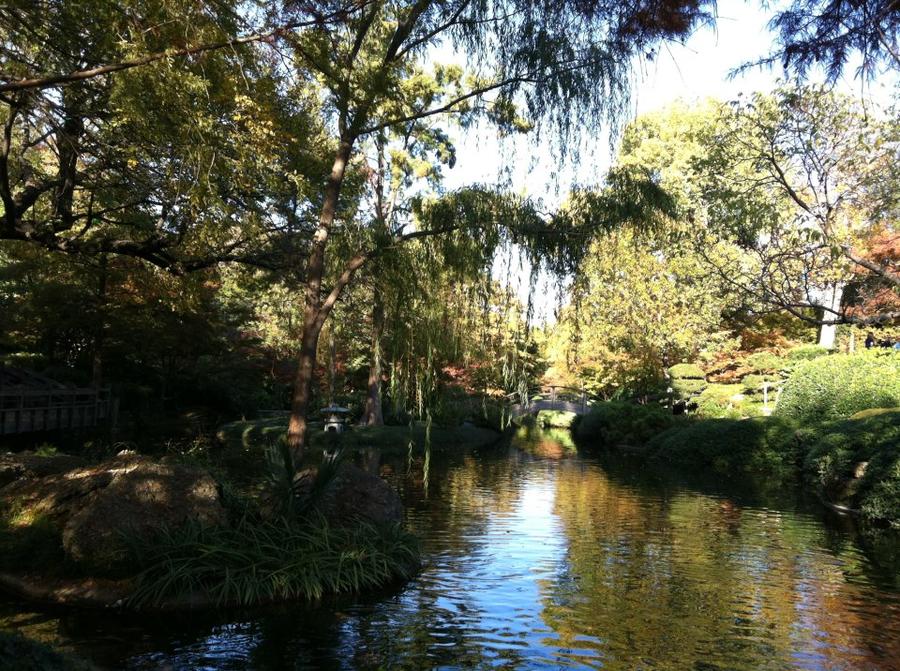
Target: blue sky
695, 70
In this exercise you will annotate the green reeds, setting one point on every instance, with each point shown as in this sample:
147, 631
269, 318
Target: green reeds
257, 561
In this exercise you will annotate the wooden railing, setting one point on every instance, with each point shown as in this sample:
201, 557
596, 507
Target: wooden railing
26, 410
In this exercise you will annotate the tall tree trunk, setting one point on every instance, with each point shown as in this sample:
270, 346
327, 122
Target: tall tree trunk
99, 326
831, 303
374, 415
312, 317
332, 366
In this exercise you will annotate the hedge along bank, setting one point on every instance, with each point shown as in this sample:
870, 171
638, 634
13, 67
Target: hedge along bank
841, 385
837, 428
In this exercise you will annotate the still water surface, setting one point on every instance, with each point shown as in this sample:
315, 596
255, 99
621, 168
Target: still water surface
536, 557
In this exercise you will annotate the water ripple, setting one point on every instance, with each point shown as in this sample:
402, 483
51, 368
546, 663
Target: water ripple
540, 562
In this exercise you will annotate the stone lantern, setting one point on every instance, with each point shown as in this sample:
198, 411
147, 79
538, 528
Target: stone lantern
336, 418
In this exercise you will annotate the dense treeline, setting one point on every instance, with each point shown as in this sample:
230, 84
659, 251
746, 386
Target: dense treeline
265, 200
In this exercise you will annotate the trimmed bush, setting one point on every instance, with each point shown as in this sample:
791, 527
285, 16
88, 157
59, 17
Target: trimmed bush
687, 371
762, 445
765, 362
753, 384
806, 353
836, 456
840, 385
686, 388
615, 423
721, 400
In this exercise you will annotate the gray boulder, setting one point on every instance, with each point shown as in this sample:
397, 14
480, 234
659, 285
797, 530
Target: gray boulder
354, 495
98, 508
29, 465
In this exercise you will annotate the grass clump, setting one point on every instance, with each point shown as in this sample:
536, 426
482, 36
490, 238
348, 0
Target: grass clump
614, 423
280, 547
760, 445
259, 561
840, 385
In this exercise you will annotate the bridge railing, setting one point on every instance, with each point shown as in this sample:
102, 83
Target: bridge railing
25, 410
550, 397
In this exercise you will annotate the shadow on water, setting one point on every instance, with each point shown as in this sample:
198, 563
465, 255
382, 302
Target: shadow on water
536, 556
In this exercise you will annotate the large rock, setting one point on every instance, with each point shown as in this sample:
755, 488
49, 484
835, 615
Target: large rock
29, 465
352, 495
99, 508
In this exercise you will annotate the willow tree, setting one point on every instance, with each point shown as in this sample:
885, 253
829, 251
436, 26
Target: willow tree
413, 285
832, 33
559, 66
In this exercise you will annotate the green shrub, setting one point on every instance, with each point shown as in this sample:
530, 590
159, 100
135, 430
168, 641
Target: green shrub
245, 442
871, 437
686, 371
614, 423
840, 385
721, 400
762, 445
555, 419
259, 561
46, 449
753, 384
765, 362
806, 353
686, 388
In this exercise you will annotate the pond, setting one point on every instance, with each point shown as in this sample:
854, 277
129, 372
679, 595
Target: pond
537, 557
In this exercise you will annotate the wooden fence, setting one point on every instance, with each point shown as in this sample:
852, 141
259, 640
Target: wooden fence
24, 410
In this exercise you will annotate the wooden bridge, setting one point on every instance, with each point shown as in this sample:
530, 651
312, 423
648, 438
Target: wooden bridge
32, 402
559, 398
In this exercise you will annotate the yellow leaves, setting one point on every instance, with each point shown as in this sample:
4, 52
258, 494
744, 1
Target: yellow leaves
448, 74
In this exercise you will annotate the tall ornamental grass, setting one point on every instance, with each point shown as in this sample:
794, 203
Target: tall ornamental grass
257, 561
